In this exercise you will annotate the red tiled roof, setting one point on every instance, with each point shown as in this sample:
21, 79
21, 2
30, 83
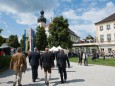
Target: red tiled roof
109, 18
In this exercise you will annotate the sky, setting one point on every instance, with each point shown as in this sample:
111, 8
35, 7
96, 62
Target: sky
18, 15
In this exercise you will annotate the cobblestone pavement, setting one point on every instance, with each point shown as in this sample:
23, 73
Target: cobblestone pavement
91, 75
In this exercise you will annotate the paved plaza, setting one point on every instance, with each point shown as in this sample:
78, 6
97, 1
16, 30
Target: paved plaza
92, 75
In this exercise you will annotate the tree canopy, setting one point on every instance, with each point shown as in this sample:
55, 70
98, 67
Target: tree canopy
13, 41
2, 40
89, 37
1, 30
41, 38
22, 42
59, 34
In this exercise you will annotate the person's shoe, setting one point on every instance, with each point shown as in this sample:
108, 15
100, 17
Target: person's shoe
47, 82
33, 80
20, 85
14, 85
62, 81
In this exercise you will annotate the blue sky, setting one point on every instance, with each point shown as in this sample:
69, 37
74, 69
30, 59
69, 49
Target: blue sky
17, 15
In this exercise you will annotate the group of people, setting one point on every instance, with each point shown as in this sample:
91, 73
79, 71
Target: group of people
83, 58
45, 61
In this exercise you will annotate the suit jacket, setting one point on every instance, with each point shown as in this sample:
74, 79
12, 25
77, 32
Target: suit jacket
62, 59
46, 59
34, 58
53, 56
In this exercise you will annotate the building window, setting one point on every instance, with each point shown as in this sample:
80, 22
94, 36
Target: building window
108, 37
114, 25
108, 27
109, 50
114, 36
102, 49
101, 38
101, 28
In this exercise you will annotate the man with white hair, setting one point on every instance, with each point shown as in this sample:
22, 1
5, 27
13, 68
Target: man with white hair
34, 62
46, 59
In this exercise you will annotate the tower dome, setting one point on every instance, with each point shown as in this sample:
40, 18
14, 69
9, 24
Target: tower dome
42, 18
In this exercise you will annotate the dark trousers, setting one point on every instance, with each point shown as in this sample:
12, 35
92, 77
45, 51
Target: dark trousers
53, 64
80, 61
62, 71
85, 62
34, 72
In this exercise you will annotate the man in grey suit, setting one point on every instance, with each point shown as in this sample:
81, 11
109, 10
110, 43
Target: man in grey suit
61, 63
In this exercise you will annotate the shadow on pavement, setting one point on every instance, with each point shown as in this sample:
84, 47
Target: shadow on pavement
35, 84
6, 73
68, 81
71, 71
54, 78
42, 79
9, 82
28, 69
90, 65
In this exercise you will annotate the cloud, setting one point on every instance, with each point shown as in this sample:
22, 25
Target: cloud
30, 6
66, 0
49, 14
103, 0
28, 19
23, 10
70, 14
85, 22
83, 30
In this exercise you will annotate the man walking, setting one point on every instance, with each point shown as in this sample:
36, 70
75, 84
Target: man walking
80, 57
19, 65
61, 62
34, 62
46, 59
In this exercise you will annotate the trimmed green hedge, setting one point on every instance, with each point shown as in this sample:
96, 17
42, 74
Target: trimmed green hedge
4, 61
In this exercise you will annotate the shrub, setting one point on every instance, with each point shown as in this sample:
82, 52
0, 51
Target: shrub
4, 61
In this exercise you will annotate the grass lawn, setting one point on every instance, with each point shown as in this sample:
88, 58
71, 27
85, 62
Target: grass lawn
100, 61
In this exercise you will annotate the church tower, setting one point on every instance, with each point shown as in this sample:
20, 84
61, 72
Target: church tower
42, 20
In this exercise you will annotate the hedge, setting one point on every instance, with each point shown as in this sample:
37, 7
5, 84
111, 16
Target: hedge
4, 61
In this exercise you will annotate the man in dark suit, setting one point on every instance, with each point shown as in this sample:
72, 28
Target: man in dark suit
61, 62
46, 60
34, 62
80, 54
53, 58
56, 54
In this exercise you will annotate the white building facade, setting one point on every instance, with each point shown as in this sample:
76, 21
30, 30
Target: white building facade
105, 34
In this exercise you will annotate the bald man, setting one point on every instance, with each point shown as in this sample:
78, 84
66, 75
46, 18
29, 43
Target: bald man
46, 59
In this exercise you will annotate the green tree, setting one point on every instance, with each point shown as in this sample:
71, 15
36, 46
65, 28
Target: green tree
59, 33
41, 38
2, 40
1, 30
22, 42
89, 37
13, 41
